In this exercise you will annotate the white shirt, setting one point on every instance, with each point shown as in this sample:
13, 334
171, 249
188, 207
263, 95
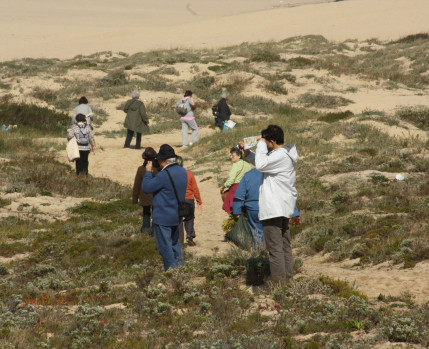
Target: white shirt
277, 193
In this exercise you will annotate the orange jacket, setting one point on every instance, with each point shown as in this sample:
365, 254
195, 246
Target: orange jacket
192, 190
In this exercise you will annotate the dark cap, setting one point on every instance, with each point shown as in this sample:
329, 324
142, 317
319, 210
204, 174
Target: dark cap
165, 152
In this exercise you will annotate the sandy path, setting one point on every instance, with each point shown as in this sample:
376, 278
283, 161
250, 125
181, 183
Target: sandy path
119, 164
383, 279
63, 29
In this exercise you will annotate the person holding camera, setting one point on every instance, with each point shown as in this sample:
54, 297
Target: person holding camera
170, 180
139, 197
277, 199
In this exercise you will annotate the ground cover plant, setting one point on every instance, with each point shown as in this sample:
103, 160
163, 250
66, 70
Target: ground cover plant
91, 280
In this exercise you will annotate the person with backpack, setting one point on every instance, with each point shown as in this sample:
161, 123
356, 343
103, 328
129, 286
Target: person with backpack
85, 141
136, 119
221, 110
185, 108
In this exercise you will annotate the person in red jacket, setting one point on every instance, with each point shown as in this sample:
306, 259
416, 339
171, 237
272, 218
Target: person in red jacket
192, 192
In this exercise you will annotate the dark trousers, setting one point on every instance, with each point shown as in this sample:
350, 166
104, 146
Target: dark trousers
188, 225
130, 135
82, 163
146, 216
277, 240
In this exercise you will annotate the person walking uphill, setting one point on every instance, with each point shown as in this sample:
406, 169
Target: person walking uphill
223, 109
185, 108
144, 200
277, 199
85, 141
165, 215
192, 192
136, 119
85, 109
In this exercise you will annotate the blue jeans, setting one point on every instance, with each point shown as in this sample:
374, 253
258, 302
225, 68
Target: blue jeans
167, 242
255, 226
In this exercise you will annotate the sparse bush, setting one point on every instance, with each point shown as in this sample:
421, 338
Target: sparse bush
265, 55
323, 101
334, 117
34, 117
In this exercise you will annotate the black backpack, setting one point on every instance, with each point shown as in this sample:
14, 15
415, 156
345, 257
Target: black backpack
216, 110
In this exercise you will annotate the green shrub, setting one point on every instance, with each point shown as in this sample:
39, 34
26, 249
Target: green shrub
34, 117
300, 62
334, 117
265, 55
323, 101
257, 269
341, 288
417, 116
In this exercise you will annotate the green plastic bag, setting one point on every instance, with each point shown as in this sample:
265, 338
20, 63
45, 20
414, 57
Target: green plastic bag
241, 235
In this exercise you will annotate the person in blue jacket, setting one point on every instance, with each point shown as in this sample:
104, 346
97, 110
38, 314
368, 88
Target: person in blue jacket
247, 197
165, 214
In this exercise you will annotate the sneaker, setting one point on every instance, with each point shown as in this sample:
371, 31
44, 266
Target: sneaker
184, 146
190, 242
190, 143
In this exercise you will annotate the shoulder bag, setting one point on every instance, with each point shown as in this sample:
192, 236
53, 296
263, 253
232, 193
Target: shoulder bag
72, 150
186, 210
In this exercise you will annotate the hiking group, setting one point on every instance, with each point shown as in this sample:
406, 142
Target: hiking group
264, 197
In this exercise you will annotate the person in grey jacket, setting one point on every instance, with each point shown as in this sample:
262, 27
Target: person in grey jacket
136, 119
85, 109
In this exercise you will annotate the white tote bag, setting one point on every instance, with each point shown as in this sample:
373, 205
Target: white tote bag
72, 150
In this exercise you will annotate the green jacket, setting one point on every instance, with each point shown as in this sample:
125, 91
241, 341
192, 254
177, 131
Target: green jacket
236, 173
136, 119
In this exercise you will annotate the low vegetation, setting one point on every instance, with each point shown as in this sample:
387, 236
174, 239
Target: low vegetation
91, 280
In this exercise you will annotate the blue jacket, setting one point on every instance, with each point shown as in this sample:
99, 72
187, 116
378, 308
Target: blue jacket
247, 193
165, 205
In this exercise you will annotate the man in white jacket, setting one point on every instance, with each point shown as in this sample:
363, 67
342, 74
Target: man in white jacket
277, 197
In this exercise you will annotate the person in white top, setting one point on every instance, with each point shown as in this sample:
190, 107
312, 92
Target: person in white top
277, 197
85, 109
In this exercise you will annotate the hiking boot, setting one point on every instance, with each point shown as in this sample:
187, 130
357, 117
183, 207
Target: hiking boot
190, 242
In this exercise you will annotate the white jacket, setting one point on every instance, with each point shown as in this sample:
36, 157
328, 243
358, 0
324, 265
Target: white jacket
277, 193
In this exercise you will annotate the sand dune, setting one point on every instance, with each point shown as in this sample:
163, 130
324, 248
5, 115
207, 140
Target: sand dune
63, 29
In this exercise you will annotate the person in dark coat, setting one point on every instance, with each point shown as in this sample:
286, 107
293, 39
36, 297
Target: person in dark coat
165, 217
144, 200
136, 119
224, 111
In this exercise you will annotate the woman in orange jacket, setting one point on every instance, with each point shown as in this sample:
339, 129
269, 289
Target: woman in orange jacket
192, 192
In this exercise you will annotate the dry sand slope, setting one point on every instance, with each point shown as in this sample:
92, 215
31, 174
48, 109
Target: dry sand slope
119, 164
64, 29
